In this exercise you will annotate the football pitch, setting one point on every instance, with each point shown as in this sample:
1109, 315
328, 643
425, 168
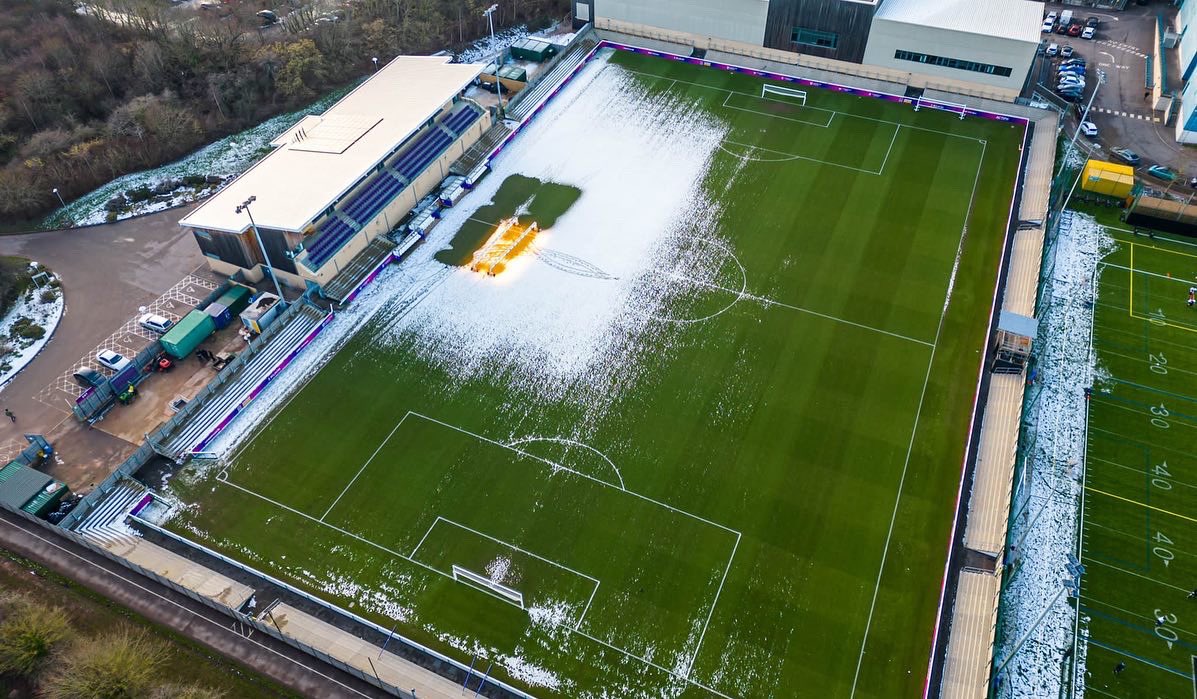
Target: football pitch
1139, 543
703, 438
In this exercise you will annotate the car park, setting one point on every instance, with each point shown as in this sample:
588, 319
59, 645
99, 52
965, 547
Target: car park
1089, 129
155, 323
1052, 49
1089, 33
112, 360
1126, 155
1162, 173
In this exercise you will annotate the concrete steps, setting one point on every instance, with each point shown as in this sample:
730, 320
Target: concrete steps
234, 393
361, 265
105, 525
531, 99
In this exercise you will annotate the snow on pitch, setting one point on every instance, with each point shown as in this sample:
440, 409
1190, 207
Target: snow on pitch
640, 161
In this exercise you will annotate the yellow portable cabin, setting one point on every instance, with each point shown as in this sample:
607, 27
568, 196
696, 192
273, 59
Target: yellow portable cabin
1111, 179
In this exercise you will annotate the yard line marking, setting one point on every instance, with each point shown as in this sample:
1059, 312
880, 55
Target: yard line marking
1132, 656
917, 415
1137, 575
1138, 537
711, 613
1150, 445
1150, 274
1171, 367
1136, 470
1141, 504
381, 444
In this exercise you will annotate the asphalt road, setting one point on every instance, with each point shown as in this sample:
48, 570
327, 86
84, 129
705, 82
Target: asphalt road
107, 272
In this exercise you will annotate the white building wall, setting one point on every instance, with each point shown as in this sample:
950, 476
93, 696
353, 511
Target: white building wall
736, 20
888, 36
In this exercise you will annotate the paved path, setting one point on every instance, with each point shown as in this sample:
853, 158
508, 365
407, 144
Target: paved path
107, 272
261, 653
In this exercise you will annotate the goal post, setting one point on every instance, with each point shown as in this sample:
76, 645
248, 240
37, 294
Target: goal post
798, 96
953, 107
469, 577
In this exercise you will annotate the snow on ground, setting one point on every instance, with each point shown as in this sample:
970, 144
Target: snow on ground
553, 332
228, 157
46, 315
1044, 532
487, 48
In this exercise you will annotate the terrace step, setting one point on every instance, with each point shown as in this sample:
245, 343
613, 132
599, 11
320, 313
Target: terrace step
378, 249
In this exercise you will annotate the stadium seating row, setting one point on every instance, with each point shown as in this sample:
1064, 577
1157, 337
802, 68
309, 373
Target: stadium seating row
422, 153
332, 235
462, 120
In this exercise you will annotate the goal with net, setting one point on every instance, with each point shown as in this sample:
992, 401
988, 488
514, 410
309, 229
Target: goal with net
469, 577
953, 107
789, 95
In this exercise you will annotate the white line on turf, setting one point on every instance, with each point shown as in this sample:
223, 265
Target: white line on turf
914, 430
587, 607
1144, 272
1172, 480
786, 157
381, 444
1151, 445
1137, 575
574, 443
846, 115
711, 613
1137, 658
1090, 601
766, 301
423, 538
830, 115
890, 149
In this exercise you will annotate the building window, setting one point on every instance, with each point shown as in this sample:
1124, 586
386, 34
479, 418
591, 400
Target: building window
957, 63
814, 37
201, 233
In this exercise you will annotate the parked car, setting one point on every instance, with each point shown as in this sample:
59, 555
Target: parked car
1051, 15
1162, 173
1076, 60
1089, 129
88, 377
1075, 29
1066, 51
1092, 22
1052, 49
1071, 84
1089, 33
1048, 26
112, 360
1062, 28
155, 323
1126, 155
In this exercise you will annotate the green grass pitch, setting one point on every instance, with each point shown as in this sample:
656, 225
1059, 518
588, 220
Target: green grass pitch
1139, 539
764, 512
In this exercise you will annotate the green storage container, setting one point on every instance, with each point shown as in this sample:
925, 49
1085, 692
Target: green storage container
188, 333
531, 49
236, 298
513, 73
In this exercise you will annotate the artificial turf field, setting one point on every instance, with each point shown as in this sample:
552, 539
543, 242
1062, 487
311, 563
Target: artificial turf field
1139, 526
763, 510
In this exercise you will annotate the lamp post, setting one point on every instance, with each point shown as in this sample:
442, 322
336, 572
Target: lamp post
244, 206
375, 59
60, 201
490, 22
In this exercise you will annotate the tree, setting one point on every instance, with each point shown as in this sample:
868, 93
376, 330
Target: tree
29, 631
118, 665
301, 66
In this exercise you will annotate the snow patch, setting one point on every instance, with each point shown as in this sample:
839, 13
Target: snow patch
46, 315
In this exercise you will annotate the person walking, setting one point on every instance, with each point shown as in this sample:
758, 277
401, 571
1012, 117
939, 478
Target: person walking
1119, 667
10, 415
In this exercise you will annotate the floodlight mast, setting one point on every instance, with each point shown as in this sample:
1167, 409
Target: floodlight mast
490, 22
244, 206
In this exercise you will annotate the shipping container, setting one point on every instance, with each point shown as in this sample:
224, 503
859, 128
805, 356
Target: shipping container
188, 333
259, 314
219, 313
530, 49
1111, 179
236, 298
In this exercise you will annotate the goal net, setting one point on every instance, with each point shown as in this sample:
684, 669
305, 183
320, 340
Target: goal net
469, 577
953, 107
789, 95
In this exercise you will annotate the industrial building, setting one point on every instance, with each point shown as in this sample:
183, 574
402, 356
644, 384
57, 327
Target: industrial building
1186, 46
951, 44
336, 181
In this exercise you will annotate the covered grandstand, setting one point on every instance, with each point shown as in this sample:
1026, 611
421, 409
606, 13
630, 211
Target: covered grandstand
336, 181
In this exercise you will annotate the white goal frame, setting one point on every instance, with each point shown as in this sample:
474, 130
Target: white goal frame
469, 577
953, 107
788, 92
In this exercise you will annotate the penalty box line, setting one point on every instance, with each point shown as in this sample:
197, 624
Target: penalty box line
513, 547
786, 156
222, 478
551, 465
830, 112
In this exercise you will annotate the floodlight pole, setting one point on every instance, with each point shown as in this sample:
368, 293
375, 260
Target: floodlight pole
244, 206
490, 22
60, 201
1101, 78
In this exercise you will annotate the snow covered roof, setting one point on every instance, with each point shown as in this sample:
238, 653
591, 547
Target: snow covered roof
320, 158
1020, 20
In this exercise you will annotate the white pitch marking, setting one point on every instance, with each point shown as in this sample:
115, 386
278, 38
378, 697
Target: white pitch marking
831, 113
1137, 575
572, 442
381, 444
711, 613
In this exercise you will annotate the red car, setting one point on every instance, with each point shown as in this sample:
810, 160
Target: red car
1075, 29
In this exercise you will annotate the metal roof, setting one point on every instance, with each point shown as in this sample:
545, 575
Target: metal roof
19, 484
1018, 324
322, 156
1020, 20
